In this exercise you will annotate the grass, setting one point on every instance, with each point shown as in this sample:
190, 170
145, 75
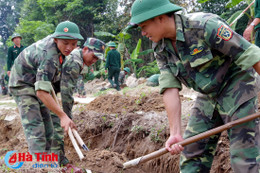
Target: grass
99, 93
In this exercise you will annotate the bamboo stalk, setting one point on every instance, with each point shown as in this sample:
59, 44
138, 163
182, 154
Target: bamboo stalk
190, 140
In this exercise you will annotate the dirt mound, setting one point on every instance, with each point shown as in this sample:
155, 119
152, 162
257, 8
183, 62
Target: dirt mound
118, 127
122, 103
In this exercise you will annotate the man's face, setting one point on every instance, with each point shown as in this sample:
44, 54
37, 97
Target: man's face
17, 41
66, 46
152, 29
89, 57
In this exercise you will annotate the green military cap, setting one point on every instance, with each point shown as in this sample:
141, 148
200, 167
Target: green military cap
67, 30
16, 35
127, 69
143, 10
97, 46
111, 44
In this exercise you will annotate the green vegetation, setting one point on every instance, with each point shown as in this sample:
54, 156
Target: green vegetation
104, 19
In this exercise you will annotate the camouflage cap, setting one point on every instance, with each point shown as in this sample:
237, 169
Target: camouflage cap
16, 35
97, 46
67, 30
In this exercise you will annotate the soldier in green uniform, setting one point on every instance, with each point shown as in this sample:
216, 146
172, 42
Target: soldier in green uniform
73, 66
200, 51
254, 26
34, 73
113, 64
14, 51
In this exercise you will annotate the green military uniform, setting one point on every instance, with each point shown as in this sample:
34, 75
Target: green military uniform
13, 52
215, 61
113, 64
38, 67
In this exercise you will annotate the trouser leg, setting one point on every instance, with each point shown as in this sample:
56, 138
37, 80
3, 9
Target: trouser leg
198, 156
116, 75
37, 123
110, 76
58, 140
245, 140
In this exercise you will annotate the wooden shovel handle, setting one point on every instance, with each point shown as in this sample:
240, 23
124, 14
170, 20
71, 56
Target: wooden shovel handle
190, 140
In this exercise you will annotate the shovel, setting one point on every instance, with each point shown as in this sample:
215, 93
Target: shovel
190, 140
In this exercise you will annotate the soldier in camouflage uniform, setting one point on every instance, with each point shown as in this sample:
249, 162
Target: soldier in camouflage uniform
35, 72
201, 51
74, 64
122, 75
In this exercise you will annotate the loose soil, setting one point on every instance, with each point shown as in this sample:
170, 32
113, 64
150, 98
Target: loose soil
117, 127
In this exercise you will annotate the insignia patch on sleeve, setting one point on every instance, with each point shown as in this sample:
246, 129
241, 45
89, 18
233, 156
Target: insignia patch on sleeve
225, 33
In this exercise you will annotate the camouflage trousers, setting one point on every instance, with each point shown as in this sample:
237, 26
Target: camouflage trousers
80, 86
42, 128
244, 139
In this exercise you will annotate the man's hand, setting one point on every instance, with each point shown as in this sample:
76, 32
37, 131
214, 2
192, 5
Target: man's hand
66, 122
248, 32
8, 73
174, 149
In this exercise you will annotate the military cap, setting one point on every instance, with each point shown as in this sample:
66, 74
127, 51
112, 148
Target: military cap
127, 69
111, 44
16, 35
143, 10
97, 46
67, 30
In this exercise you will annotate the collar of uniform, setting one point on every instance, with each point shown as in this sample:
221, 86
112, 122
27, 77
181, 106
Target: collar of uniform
179, 28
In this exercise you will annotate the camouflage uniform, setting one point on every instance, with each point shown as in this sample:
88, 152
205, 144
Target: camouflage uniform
37, 68
121, 78
215, 61
3, 85
72, 67
80, 86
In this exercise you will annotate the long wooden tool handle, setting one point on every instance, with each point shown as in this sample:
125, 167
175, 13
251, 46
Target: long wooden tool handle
190, 140
242, 13
55, 97
79, 139
75, 145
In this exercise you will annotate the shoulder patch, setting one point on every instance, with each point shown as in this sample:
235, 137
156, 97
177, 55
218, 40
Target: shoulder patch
225, 33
